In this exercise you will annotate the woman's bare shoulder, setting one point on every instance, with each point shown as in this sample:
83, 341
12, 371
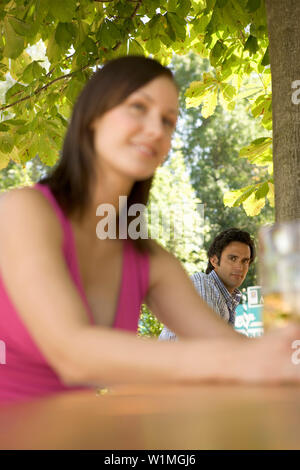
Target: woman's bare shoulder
29, 202
27, 211
157, 250
25, 195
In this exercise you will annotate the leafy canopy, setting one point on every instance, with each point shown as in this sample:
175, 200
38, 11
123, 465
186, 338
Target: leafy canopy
38, 91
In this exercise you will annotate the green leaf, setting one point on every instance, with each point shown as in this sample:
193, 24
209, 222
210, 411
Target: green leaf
170, 30
264, 159
177, 25
6, 142
253, 206
53, 51
257, 147
271, 196
221, 3
266, 58
16, 128
14, 44
135, 48
153, 46
230, 197
209, 104
15, 92
82, 32
253, 5
197, 90
200, 24
73, 90
251, 45
18, 65
200, 48
48, 134
267, 119
247, 191
183, 8
52, 98
231, 105
108, 34
20, 27
3, 72
156, 25
171, 5
65, 107
48, 150
4, 160
217, 54
261, 103
32, 71
262, 190
64, 11
199, 4
64, 34
41, 9
228, 91
27, 147
86, 52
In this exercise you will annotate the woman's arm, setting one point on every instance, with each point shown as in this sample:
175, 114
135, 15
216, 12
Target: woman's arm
38, 282
174, 300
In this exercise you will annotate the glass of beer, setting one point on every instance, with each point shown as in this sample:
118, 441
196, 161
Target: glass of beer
279, 266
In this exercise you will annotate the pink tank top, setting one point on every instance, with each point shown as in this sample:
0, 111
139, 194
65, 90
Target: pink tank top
24, 372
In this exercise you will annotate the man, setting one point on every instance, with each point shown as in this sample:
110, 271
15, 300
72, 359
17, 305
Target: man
229, 258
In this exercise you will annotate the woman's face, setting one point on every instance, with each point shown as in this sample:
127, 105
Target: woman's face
134, 138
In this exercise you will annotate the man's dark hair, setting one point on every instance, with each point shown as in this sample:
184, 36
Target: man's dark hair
223, 239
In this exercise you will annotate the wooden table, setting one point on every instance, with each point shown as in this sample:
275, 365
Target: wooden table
164, 417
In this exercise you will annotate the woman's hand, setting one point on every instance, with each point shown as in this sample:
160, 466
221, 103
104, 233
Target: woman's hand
271, 358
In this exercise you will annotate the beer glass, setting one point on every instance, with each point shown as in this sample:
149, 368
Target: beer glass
279, 266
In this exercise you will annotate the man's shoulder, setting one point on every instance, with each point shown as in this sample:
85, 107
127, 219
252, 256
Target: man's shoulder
205, 285
198, 275
202, 278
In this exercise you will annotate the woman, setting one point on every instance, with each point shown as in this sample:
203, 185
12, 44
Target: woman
70, 301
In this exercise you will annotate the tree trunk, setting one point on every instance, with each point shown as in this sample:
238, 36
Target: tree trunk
283, 18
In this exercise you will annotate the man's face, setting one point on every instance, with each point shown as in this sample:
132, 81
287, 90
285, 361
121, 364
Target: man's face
233, 266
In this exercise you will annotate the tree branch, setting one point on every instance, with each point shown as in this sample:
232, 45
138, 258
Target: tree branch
69, 75
36, 92
139, 2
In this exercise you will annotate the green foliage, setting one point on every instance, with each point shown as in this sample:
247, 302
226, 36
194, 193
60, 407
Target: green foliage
211, 150
176, 221
79, 36
16, 175
181, 228
49, 48
148, 324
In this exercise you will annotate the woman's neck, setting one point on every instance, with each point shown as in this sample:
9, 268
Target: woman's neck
108, 197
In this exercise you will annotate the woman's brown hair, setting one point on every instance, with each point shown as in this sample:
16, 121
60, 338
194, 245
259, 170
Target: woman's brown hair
72, 180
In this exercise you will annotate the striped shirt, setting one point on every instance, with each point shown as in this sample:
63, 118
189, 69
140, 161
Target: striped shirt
212, 290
